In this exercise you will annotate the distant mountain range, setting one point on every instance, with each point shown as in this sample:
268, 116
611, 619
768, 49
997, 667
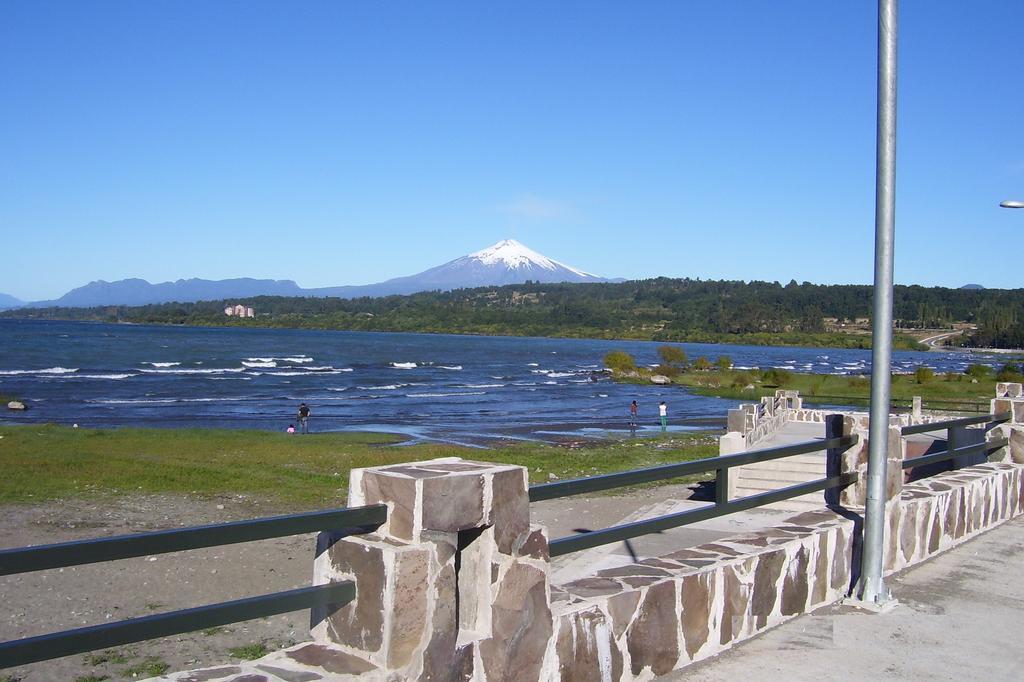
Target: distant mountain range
507, 262
8, 301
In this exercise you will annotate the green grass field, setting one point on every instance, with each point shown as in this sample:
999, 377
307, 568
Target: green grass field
946, 391
953, 391
299, 472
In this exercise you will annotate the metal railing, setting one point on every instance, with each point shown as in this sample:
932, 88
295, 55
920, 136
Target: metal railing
953, 449
721, 506
67, 642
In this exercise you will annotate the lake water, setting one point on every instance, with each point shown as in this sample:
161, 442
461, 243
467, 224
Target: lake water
436, 387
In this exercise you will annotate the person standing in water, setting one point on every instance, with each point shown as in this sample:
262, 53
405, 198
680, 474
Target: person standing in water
304, 417
663, 413
632, 414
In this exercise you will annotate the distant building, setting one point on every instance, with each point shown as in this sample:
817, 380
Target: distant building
239, 311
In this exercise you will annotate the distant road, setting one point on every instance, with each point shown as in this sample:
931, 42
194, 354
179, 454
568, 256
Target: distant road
935, 342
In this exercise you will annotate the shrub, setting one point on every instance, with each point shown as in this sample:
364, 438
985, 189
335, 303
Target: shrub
667, 370
742, 380
923, 374
978, 371
702, 364
777, 377
1011, 372
724, 362
672, 355
620, 361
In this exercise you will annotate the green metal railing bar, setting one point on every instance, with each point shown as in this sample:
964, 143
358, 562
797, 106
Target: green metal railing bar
956, 423
975, 449
626, 531
24, 559
549, 491
55, 645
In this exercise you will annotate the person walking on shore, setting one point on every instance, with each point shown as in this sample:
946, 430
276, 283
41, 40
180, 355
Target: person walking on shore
632, 414
663, 413
303, 418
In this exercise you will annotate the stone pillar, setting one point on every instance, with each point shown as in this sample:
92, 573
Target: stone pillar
749, 417
855, 459
730, 444
1010, 398
793, 401
455, 586
736, 421
915, 411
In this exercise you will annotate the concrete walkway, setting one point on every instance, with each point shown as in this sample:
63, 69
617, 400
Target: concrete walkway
960, 617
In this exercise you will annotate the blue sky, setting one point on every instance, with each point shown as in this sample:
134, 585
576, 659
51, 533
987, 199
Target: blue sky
350, 142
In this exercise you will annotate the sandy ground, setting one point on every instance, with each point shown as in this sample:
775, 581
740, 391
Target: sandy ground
48, 601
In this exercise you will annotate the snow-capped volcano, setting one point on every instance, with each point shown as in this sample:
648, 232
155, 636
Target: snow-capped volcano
515, 256
507, 262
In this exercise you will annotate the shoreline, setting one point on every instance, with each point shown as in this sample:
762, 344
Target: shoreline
645, 339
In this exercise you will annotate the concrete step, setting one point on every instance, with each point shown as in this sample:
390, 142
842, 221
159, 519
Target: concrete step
782, 478
795, 505
811, 468
802, 503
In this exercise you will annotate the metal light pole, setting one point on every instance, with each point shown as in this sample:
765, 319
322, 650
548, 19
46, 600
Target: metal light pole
870, 589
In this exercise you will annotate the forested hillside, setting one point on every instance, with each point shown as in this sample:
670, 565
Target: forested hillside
657, 309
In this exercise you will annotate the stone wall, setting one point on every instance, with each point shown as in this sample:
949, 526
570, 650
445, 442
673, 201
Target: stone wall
456, 586
491, 615
658, 615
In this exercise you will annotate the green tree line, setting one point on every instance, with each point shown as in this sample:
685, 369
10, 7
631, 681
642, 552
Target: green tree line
660, 309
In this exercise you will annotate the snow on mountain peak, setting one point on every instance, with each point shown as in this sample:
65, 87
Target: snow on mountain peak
514, 255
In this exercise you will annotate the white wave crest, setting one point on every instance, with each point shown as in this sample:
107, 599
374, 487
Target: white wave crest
558, 375
451, 367
403, 365
386, 387
48, 370
338, 390
483, 385
296, 359
163, 401
221, 370
102, 376
162, 364
532, 364
444, 395
132, 401
259, 363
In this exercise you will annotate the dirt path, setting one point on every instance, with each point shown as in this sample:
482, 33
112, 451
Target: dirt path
47, 601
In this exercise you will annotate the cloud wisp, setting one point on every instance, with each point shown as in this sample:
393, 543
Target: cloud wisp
539, 209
